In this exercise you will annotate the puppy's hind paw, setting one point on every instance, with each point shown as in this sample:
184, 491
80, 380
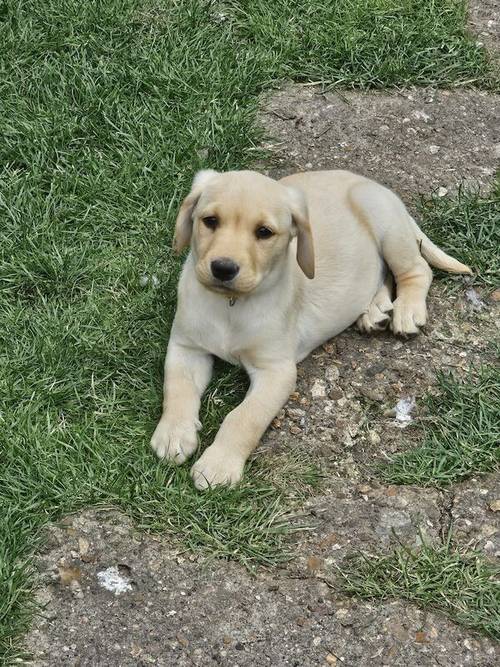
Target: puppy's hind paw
376, 318
408, 317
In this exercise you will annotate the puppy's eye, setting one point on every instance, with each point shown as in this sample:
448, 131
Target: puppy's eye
210, 221
263, 233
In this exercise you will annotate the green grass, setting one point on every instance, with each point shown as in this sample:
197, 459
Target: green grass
107, 110
468, 226
461, 437
464, 586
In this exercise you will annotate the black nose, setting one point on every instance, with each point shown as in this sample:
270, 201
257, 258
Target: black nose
224, 269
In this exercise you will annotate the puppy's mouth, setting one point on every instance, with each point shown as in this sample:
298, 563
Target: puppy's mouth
226, 287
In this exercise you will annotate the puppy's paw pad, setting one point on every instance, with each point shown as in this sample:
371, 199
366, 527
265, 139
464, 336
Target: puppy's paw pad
216, 468
176, 442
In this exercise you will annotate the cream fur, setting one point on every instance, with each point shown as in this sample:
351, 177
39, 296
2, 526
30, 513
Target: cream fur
354, 236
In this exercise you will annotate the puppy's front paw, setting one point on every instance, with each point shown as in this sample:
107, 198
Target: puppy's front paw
216, 467
174, 441
408, 316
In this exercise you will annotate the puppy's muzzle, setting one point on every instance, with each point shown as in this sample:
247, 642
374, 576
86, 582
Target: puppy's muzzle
224, 269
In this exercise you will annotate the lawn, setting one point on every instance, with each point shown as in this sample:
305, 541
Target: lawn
107, 109
461, 584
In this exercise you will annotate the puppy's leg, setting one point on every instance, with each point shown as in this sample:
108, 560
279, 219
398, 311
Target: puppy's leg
413, 278
377, 316
393, 228
241, 430
187, 373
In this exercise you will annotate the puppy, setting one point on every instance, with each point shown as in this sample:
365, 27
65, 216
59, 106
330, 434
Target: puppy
275, 269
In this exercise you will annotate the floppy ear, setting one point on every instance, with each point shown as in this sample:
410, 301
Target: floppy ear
300, 220
184, 221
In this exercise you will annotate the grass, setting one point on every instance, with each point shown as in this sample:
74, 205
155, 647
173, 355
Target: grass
464, 586
462, 436
468, 226
107, 110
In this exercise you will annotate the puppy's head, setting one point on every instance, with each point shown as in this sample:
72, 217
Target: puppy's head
239, 225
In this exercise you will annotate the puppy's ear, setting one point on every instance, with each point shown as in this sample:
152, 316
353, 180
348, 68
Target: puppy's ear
300, 221
184, 221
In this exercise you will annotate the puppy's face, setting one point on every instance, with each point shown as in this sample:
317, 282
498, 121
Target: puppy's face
239, 225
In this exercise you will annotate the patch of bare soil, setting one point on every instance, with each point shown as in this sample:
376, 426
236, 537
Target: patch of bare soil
416, 140
169, 608
484, 20
174, 610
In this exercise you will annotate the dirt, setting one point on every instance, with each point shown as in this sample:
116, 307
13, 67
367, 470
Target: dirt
179, 611
416, 140
484, 20
176, 608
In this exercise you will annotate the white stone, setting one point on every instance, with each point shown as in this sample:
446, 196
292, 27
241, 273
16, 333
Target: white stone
318, 390
113, 581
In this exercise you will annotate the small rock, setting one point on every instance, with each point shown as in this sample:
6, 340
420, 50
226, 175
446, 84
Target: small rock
296, 414
421, 638
76, 589
69, 574
375, 368
314, 563
495, 505
421, 115
331, 659
489, 546
433, 149
495, 296
332, 375
371, 394
442, 192
318, 390
295, 430
336, 394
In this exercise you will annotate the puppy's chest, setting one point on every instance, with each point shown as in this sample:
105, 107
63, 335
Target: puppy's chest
224, 332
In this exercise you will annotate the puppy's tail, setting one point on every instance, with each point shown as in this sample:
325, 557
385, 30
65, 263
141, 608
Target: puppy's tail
435, 256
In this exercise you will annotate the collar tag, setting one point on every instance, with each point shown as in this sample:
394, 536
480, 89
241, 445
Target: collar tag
232, 301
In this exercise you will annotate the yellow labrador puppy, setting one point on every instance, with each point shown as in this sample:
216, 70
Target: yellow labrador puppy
275, 269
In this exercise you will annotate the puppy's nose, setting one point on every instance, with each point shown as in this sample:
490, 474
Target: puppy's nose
224, 269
